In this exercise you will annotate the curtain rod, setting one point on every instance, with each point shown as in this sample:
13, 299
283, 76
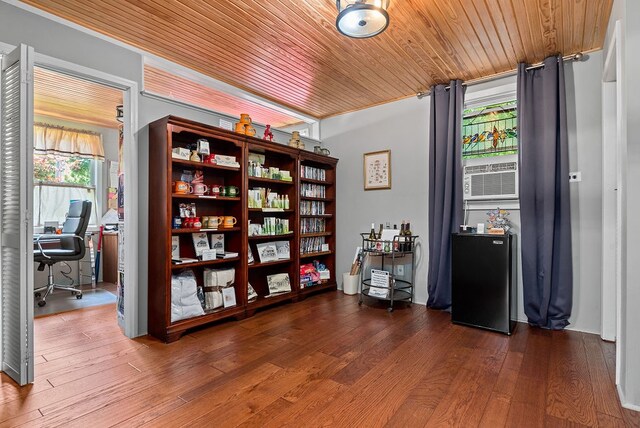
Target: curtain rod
65, 128
574, 57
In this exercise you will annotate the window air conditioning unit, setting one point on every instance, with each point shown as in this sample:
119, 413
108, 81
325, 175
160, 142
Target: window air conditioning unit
491, 178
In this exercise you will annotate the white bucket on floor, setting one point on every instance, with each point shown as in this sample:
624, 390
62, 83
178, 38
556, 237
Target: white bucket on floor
350, 283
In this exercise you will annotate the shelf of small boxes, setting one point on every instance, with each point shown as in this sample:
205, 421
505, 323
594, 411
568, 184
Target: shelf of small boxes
258, 172
313, 274
264, 199
203, 157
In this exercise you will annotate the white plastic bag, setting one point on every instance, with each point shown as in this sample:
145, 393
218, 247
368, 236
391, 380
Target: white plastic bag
184, 297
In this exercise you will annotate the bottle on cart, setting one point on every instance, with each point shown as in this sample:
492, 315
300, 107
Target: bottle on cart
372, 236
380, 232
407, 234
401, 237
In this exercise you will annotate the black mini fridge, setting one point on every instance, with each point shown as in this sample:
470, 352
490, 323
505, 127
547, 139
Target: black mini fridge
483, 281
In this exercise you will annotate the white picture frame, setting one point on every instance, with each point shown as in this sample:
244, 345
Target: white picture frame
278, 283
217, 242
267, 252
200, 242
283, 249
229, 297
377, 170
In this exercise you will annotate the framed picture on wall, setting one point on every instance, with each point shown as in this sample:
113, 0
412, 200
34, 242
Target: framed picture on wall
377, 170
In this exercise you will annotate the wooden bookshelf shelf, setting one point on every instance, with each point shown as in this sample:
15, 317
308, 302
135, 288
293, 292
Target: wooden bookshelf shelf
268, 237
199, 165
309, 198
312, 181
257, 265
278, 211
316, 254
315, 235
205, 197
316, 215
219, 230
269, 180
262, 301
330, 285
207, 263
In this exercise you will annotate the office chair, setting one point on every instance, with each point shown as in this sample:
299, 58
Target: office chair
67, 246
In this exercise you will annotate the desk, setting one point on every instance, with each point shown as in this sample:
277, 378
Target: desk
110, 257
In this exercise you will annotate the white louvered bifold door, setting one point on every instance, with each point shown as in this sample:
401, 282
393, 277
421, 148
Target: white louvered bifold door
16, 224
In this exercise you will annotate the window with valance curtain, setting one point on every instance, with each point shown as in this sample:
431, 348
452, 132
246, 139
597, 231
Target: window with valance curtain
67, 166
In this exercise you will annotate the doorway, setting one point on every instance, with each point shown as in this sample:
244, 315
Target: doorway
613, 194
77, 157
16, 197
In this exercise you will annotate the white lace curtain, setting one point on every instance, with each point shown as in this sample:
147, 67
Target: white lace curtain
58, 140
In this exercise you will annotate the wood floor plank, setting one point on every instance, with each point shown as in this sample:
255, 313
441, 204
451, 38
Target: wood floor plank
606, 421
198, 406
324, 361
570, 393
24, 419
155, 400
604, 392
529, 399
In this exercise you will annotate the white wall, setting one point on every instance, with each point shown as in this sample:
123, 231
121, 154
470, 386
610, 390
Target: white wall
629, 338
402, 126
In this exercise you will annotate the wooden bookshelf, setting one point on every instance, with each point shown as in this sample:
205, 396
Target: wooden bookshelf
171, 132
317, 178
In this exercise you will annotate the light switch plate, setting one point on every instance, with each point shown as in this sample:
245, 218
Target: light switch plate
575, 177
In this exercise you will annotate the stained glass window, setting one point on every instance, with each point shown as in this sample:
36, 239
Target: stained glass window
490, 130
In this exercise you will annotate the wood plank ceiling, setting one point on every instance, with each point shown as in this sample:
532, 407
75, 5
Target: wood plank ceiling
68, 98
181, 89
289, 51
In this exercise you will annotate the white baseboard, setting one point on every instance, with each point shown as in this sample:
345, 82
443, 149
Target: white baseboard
624, 403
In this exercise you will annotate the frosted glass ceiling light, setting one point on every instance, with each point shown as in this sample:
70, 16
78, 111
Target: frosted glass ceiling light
362, 18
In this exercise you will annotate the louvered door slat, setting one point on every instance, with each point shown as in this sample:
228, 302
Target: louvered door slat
16, 248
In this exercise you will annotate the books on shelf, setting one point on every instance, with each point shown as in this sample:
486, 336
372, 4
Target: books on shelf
278, 283
313, 245
183, 260
251, 293
312, 225
217, 242
283, 250
312, 190
200, 242
175, 247
270, 226
228, 254
312, 207
267, 252
313, 173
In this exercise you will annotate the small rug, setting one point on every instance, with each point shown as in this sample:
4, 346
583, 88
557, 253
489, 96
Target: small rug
63, 301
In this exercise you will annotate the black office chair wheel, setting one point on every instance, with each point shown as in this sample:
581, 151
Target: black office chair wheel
37, 295
41, 303
79, 296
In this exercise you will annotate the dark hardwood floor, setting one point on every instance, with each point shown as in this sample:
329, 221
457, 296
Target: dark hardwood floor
324, 361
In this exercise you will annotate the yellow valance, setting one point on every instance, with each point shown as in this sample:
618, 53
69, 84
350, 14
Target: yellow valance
58, 140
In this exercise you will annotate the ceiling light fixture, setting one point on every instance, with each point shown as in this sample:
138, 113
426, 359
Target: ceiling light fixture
362, 18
